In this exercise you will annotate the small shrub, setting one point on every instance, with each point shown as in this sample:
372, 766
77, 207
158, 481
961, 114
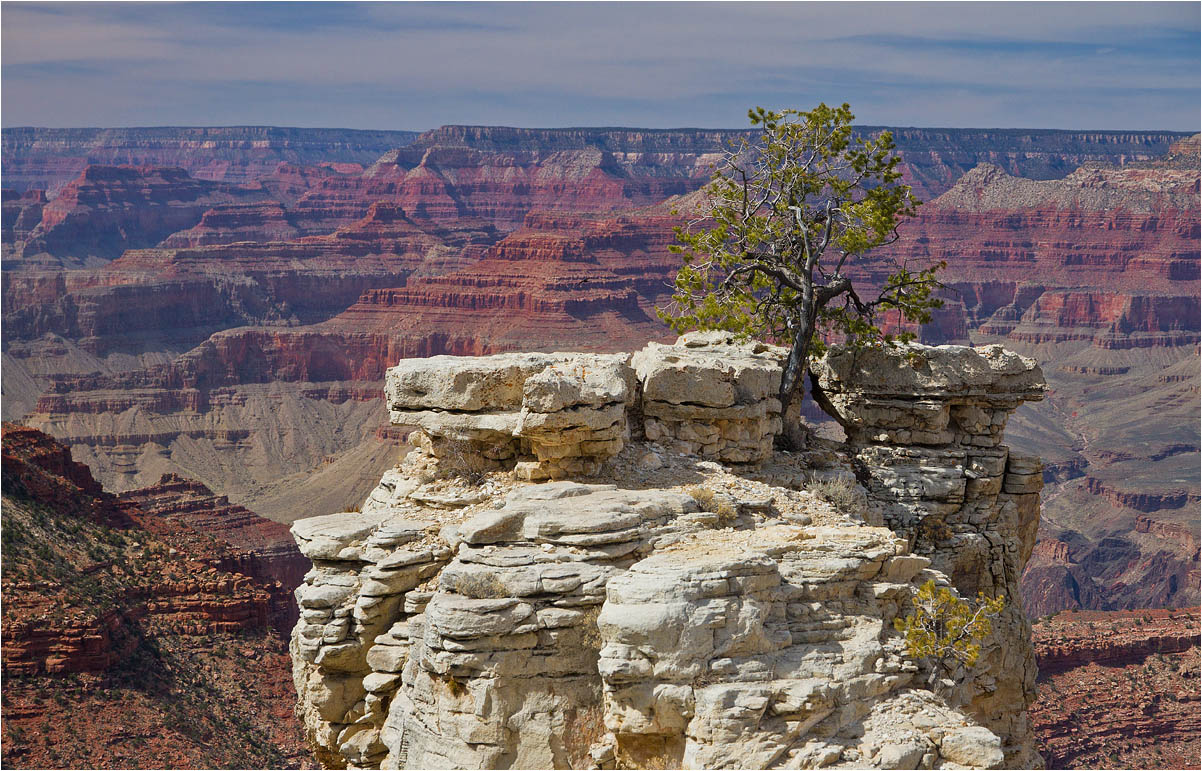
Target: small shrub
590, 634
455, 686
946, 629
457, 458
481, 586
708, 500
934, 530
840, 492
703, 495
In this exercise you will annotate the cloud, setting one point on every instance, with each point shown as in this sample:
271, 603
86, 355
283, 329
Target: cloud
419, 65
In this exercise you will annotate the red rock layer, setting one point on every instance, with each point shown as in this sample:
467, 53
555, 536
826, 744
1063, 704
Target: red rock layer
1118, 690
181, 296
236, 223
265, 550
561, 281
1069, 640
84, 570
1144, 501
217, 701
21, 214
1106, 254
109, 209
36, 466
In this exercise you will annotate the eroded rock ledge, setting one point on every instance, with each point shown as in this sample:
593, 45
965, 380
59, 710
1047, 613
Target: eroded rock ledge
679, 595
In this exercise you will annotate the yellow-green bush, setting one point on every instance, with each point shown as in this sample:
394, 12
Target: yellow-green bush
945, 628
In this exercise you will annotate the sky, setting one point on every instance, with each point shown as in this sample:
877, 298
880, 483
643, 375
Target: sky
656, 65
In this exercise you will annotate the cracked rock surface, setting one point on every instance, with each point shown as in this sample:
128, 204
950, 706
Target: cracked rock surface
667, 602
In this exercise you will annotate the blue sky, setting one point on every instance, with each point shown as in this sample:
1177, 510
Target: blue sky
421, 65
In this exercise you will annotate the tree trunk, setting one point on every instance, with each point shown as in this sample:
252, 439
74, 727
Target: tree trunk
792, 382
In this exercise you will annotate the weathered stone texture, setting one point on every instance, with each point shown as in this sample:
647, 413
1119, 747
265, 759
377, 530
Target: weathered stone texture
708, 395
924, 429
553, 415
502, 624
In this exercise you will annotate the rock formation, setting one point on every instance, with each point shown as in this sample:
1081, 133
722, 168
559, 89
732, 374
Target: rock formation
680, 595
1118, 689
705, 399
132, 628
109, 209
276, 272
47, 158
1096, 272
264, 550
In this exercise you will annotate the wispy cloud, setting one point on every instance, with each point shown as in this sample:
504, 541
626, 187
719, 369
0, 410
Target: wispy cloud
418, 65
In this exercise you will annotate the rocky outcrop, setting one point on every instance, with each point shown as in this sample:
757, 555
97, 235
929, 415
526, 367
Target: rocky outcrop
924, 429
729, 652
680, 607
85, 571
544, 415
265, 549
107, 604
707, 396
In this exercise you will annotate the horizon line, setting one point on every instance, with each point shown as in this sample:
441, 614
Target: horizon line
588, 128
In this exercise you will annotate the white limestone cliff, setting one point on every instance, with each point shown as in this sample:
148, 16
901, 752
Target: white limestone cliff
681, 595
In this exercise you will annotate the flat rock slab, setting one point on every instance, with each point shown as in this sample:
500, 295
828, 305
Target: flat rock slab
911, 370
550, 512
462, 383
325, 537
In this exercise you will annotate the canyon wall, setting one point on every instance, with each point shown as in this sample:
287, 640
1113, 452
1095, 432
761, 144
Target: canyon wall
137, 628
46, 158
241, 335
1097, 274
599, 561
1118, 689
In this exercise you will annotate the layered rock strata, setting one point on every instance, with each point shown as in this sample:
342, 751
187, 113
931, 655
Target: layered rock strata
552, 416
1118, 689
675, 610
924, 430
706, 396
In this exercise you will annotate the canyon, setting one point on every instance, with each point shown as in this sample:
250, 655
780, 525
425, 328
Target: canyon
47, 158
1118, 689
221, 304
133, 635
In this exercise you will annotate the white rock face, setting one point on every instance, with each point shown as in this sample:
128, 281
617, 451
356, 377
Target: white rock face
926, 424
547, 416
707, 395
671, 611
